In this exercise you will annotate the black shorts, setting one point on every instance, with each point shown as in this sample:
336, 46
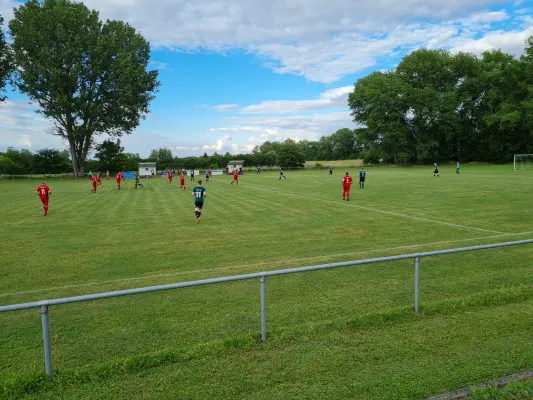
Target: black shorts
436, 171
361, 179
199, 205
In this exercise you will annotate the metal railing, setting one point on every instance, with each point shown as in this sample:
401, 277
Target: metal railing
44, 304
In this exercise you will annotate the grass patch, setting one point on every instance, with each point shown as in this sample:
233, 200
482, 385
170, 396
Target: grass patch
117, 240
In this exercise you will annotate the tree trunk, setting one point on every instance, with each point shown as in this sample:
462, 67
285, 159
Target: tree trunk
76, 165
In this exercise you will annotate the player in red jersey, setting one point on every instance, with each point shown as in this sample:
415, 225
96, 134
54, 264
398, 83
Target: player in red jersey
346, 184
99, 179
94, 181
169, 175
182, 181
118, 178
235, 176
44, 194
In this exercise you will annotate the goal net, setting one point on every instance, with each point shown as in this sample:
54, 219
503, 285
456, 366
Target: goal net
523, 162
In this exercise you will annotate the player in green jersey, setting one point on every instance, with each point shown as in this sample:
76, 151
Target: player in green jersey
199, 194
458, 166
362, 177
436, 170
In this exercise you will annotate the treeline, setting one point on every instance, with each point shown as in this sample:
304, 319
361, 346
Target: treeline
110, 155
45, 161
437, 106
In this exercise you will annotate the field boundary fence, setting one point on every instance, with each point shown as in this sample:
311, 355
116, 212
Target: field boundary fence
44, 305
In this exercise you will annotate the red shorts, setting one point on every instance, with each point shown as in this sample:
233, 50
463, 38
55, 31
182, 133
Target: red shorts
44, 199
347, 189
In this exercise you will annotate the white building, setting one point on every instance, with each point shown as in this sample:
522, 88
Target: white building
232, 165
147, 170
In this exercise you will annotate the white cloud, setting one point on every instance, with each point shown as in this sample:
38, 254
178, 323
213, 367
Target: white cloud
512, 42
159, 65
226, 107
319, 40
219, 145
329, 99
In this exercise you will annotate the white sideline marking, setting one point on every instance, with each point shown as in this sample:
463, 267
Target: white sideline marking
279, 262
380, 211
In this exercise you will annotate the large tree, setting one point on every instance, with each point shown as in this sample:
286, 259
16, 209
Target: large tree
89, 77
5, 62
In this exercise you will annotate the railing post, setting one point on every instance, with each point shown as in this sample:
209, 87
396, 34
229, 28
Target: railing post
46, 341
417, 284
263, 310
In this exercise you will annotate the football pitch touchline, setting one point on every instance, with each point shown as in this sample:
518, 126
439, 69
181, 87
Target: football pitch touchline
378, 210
279, 262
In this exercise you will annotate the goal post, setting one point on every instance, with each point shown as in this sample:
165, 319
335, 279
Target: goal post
523, 162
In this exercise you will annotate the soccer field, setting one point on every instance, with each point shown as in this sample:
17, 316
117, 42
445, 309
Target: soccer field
131, 238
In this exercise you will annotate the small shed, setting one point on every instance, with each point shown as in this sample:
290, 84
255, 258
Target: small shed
235, 165
147, 169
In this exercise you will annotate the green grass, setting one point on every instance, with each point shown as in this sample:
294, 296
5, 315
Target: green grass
513, 391
114, 240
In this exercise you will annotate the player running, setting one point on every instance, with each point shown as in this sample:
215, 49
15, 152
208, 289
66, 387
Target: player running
94, 181
235, 177
346, 185
182, 181
331, 171
206, 176
258, 171
192, 175
457, 167
118, 178
199, 194
44, 194
137, 183
169, 176
436, 170
281, 174
362, 177
99, 179
107, 175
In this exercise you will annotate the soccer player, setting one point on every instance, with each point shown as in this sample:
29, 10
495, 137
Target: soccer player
44, 194
281, 174
94, 181
235, 177
118, 178
192, 175
199, 194
182, 181
90, 174
330, 171
457, 167
107, 175
362, 177
206, 176
435, 170
346, 184
258, 171
137, 183
210, 173
99, 179
169, 176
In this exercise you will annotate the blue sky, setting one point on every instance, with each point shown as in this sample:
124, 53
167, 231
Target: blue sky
236, 73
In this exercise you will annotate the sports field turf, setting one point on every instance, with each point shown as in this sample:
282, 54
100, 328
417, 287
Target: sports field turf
139, 237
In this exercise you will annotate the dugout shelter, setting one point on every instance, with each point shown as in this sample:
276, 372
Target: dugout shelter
235, 165
145, 169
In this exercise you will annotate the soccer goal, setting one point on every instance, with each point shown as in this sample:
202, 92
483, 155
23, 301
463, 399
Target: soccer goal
523, 162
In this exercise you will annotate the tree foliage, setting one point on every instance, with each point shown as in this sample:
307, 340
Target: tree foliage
6, 66
89, 77
439, 106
